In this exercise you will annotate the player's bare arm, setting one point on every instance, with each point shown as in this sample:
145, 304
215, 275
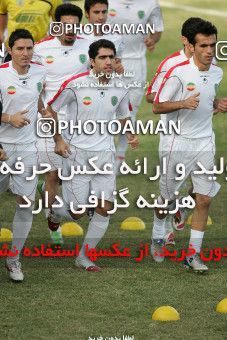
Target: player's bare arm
191, 103
61, 147
151, 40
18, 120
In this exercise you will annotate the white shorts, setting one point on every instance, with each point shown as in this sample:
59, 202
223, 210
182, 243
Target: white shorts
139, 67
78, 189
18, 184
177, 149
47, 155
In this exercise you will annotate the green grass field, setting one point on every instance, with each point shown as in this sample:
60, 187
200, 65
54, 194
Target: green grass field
58, 301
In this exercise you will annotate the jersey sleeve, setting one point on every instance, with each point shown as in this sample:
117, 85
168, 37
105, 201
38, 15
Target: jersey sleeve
3, 7
122, 110
170, 90
55, 4
156, 19
62, 98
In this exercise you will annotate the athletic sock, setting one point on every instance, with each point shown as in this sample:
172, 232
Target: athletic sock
96, 230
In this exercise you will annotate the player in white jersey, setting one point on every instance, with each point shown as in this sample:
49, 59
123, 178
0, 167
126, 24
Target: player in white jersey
135, 46
96, 12
102, 100
187, 94
191, 24
62, 56
21, 83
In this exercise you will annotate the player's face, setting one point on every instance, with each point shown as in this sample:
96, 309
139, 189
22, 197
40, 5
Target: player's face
69, 37
22, 52
97, 14
104, 61
204, 49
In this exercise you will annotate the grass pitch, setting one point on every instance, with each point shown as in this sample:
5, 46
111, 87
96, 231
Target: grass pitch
59, 301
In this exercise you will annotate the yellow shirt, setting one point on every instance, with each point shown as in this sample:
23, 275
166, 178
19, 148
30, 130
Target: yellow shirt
33, 15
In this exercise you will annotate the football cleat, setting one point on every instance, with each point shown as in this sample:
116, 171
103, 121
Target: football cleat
169, 239
14, 269
85, 263
54, 226
157, 249
56, 236
179, 219
195, 263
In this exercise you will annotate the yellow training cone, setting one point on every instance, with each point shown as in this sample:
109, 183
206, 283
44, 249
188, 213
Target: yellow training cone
222, 306
133, 223
71, 229
5, 235
189, 220
166, 313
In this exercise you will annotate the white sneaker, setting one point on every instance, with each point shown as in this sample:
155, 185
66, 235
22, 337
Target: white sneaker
85, 263
14, 269
56, 236
195, 263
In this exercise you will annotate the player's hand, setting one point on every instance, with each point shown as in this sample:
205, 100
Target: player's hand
62, 148
133, 141
3, 156
149, 43
221, 105
191, 103
119, 69
19, 120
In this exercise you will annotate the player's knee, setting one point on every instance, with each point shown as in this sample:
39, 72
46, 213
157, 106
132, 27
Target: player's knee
104, 210
203, 201
21, 200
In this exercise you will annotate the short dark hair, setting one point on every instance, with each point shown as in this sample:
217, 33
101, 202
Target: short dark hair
101, 43
68, 9
197, 27
90, 3
19, 33
190, 24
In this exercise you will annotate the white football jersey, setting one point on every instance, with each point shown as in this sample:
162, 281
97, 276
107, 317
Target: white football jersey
20, 92
93, 102
61, 62
135, 12
181, 82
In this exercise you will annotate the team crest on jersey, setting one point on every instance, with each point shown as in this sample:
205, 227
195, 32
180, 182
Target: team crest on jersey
141, 14
112, 12
87, 100
11, 90
49, 59
39, 86
114, 100
82, 58
190, 86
